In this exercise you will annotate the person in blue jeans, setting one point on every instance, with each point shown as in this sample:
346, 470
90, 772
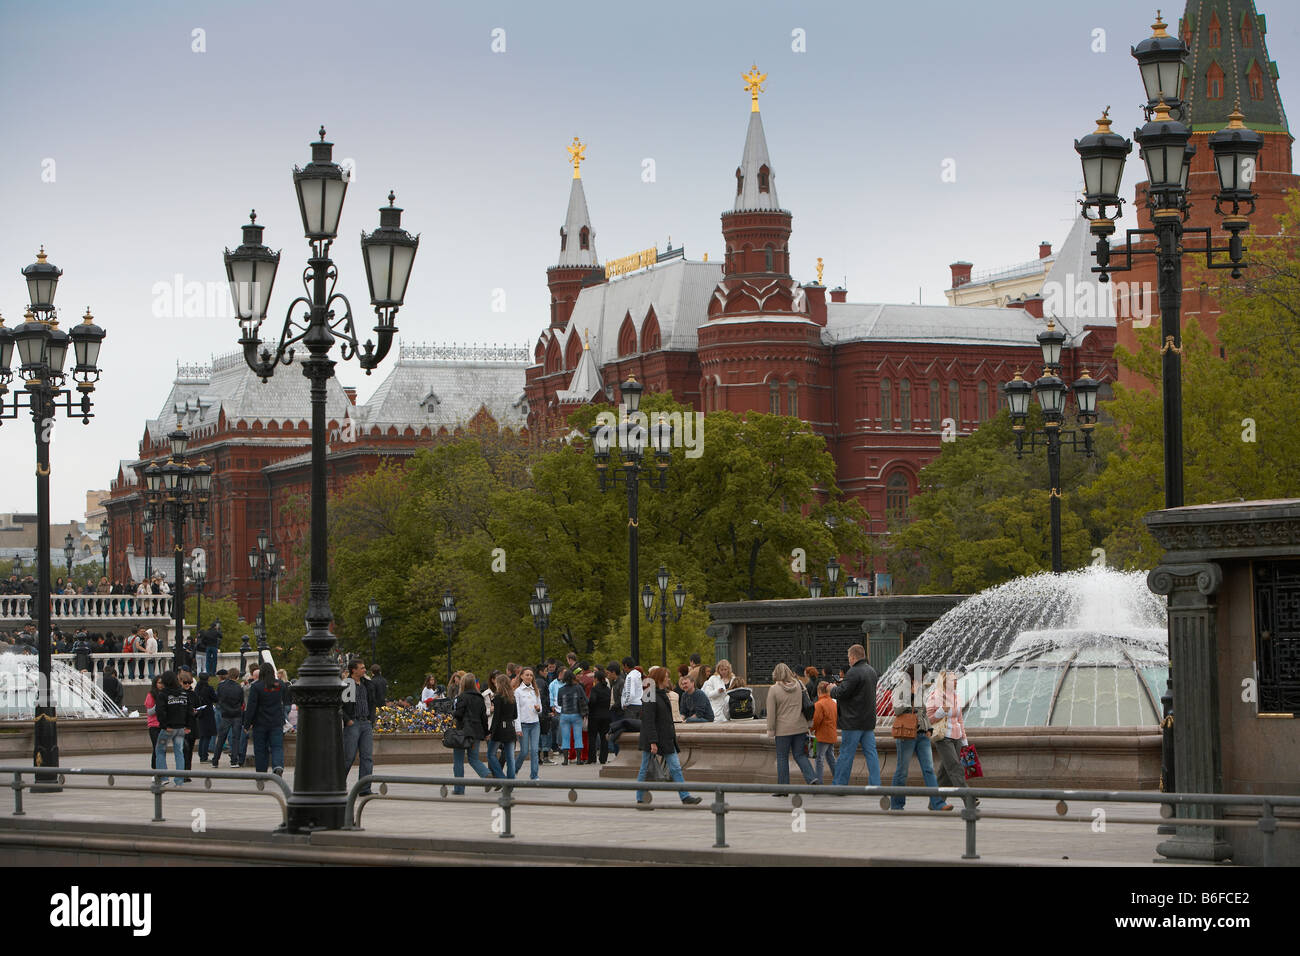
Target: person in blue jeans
470, 714
909, 698
571, 702
855, 715
175, 715
657, 734
528, 707
502, 731
264, 720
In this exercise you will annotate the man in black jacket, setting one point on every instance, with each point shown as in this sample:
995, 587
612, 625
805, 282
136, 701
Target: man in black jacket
230, 705
112, 686
378, 689
855, 709
358, 729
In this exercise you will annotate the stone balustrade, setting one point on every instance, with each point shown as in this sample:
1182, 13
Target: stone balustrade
123, 608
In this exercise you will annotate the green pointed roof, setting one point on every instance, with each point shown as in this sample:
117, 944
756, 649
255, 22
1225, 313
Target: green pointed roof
1234, 56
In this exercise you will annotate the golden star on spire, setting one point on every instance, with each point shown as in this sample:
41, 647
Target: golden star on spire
754, 83
577, 153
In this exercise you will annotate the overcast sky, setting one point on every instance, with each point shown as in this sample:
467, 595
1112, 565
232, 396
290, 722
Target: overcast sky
134, 147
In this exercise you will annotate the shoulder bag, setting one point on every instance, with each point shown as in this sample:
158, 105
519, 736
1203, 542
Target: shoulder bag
904, 726
809, 708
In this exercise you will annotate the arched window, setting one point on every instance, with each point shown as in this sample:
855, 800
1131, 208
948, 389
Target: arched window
774, 397
564, 239
763, 175
573, 351
954, 403
886, 406
767, 260
650, 339
1216, 38
1255, 79
792, 399
740, 180
935, 423
584, 238
626, 337
983, 392
896, 494
1245, 29
905, 404
1214, 82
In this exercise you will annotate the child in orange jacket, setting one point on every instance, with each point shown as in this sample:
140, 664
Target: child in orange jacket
824, 731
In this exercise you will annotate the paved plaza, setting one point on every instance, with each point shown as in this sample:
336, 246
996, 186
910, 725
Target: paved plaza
546, 821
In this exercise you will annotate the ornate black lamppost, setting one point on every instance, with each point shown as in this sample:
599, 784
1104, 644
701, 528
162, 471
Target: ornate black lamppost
540, 605
632, 439
244, 649
42, 354
197, 576
147, 526
319, 794
262, 561
103, 546
648, 600
1167, 153
69, 553
447, 614
373, 622
178, 491
1051, 393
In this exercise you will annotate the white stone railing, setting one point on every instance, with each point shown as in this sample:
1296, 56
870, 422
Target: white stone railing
90, 607
130, 668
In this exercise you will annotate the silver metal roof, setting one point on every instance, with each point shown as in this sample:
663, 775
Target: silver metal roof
756, 156
678, 291
1071, 293
586, 380
573, 254
449, 392
957, 325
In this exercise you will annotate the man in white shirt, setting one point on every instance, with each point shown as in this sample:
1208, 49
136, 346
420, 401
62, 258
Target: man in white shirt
631, 699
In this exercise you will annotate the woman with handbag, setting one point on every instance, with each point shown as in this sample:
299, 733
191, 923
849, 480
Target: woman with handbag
470, 714
943, 707
658, 738
789, 712
911, 732
502, 730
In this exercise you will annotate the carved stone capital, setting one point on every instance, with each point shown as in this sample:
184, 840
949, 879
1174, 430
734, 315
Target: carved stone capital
719, 632
1204, 577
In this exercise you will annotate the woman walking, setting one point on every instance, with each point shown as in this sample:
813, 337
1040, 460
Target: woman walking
528, 710
502, 730
909, 698
658, 738
151, 702
470, 714
788, 726
943, 707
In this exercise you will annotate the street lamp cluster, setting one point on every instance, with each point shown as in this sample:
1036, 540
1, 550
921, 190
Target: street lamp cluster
104, 541
1051, 392
42, 349
448, 614
630, 454
319, 796
832, 576
648, 600
177, 491
540, 605
1167, 152
264, 563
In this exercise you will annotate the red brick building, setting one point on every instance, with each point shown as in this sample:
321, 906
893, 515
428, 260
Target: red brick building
878, 380
257, 437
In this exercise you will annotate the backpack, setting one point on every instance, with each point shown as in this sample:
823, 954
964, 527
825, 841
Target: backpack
740, 703
129, 646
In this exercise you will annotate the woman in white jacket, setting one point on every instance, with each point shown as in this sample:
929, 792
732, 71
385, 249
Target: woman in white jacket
528, 704
716, 688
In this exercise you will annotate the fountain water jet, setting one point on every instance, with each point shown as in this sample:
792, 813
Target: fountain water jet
74, 694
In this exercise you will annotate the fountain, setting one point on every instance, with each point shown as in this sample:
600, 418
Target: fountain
74, 694
1085, 648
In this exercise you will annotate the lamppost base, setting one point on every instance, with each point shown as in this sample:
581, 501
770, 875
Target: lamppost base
1193, 846
318, 811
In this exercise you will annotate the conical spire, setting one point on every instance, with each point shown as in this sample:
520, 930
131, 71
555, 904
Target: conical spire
755, 181
1228, 62
586, 381
577, 238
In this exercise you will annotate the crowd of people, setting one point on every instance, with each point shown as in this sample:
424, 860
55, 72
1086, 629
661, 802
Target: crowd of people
575, 713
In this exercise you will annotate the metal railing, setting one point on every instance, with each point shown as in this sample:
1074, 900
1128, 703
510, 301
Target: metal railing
18, 784
1267, 824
